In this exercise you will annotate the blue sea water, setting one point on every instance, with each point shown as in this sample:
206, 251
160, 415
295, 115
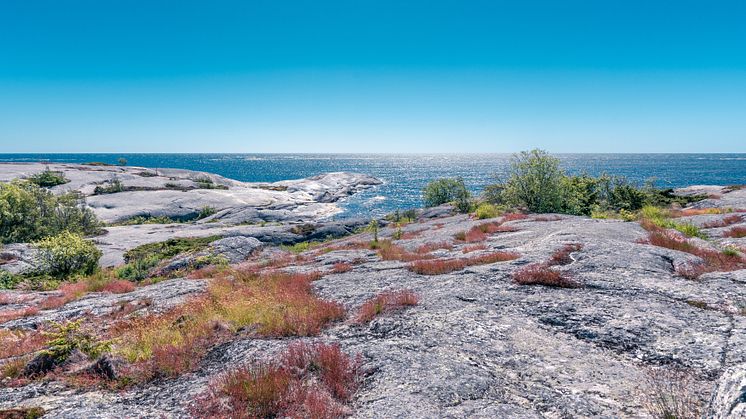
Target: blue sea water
405, 175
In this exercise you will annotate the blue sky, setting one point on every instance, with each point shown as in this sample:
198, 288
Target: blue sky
372, 76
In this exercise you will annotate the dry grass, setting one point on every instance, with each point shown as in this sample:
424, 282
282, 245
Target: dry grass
307, 380
270, 304
563, 255
542, 274
385, 302
689, 212
670, 394
444, 266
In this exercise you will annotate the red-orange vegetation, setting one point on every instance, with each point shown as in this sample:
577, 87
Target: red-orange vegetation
385, 302
444, 266
541, 274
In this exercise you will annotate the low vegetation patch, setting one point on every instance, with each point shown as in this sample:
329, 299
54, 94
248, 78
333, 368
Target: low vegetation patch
384, 303
270, 304
67, 254
670, 393
444, 266
114, 186
724, 222
141, 259
390, 251
341, 267
48, 178
432, 246
712, 260
307, 380
735, 232
542, 274
563, 256
652, 218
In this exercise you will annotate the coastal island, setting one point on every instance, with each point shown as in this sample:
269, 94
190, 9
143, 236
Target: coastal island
213, 297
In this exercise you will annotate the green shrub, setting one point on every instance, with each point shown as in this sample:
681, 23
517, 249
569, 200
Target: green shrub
29, 212
206, 211
67, 254
48, 178
122, 161
146, 219
534, 182
169, 248
8, 281
114, 186
442, 191
486, 210
64, 338
137, 269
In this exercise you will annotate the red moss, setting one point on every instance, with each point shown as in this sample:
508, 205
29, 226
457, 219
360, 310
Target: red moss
474, 248
541, 218
385, 302
389, 251
735, 232
6, 316
541, 274
474, 235
724, 222
408, 235
429, 247
444, 266
562, 256
314, 381
119, 286
713, 260
513, 217
341, 267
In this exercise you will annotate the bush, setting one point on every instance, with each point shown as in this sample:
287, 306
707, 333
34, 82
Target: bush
8, 281
29, 212
67, 254
446, 190
114, 186
48, 178
537, 183
122, 161
385, 302
486, 210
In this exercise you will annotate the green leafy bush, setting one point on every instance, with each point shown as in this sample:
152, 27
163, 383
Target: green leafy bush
535, 182
48, 178
206, 211
442, 191
29, 212
67, 254
122, 161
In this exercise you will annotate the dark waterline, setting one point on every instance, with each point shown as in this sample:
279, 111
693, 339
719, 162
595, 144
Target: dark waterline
405, 174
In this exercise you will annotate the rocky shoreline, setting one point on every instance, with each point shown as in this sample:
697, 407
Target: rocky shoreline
479, 343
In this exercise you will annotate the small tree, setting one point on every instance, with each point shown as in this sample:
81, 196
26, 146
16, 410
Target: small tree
446, 190
122, 161
535, 182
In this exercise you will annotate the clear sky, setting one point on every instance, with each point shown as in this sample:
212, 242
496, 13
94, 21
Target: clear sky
372, 76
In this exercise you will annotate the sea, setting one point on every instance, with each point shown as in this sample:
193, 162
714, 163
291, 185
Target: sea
405, 175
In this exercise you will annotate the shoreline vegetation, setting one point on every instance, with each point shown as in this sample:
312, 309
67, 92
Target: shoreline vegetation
271, 292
